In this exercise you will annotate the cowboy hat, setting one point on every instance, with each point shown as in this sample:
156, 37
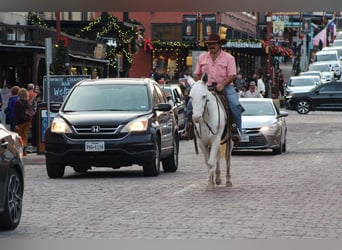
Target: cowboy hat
214, 38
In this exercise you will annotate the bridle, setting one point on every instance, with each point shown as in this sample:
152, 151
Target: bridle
205, 110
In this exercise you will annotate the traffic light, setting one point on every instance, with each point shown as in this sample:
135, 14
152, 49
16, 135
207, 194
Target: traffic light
222, 32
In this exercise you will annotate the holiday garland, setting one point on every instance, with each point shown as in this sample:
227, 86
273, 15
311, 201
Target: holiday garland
132, 36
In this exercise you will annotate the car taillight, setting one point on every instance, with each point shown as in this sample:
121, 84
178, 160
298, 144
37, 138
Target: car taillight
21, 141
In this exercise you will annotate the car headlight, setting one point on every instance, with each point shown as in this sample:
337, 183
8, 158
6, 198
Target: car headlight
269, 128
137, 125
59, 126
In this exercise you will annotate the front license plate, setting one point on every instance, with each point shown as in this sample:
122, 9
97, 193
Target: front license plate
244, 138
97, 146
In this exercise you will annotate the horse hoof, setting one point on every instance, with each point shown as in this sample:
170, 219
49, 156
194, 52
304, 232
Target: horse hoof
229, 184
218, 182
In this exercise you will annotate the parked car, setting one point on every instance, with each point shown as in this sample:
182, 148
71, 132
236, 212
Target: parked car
301, 84
314, 73
324, 97
113, 123
339, 35
331, 58
263, 126
337, 42
324, 68
174, 92
11, 179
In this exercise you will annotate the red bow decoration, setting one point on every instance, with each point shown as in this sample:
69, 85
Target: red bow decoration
65, 40
148, 43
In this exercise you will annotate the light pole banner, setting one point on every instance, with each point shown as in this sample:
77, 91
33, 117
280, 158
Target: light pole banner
189, 28
209, 25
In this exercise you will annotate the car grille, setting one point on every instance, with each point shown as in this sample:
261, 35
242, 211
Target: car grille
96, 132
256, 139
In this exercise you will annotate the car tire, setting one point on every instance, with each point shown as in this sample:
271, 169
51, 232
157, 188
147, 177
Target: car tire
151, 166
303, 107
284, 146
11, 215
54, 170
170, 164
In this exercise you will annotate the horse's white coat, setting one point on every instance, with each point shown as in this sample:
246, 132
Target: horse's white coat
210, 119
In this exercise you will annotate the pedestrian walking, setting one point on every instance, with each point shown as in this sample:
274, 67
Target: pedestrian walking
22, 120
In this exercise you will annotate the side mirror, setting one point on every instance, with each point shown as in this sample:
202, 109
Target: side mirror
55, 106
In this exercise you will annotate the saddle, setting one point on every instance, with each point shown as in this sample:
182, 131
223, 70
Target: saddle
229, 122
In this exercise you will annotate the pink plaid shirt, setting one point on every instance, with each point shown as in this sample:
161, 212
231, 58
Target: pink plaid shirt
217, 70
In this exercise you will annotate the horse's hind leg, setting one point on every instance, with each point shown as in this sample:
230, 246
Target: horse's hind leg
227, 157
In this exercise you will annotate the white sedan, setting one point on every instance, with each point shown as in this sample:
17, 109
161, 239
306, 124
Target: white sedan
263, 126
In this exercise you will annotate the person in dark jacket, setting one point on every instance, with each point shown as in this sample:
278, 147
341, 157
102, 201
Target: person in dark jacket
11, 101
22, 122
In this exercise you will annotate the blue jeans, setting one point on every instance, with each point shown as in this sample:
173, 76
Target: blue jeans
234, 104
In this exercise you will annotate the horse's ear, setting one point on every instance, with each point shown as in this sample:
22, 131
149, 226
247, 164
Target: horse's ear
205, 78
191, 81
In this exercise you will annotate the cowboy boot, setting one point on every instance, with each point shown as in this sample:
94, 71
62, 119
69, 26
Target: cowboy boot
236, 135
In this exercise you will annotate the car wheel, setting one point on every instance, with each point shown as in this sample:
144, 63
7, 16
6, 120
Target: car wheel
10, 218
170, 164
55, 170
284, 146
151, 166
303, 107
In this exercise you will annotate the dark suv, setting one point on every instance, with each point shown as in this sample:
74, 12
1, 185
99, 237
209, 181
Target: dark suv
326, 96
113, 123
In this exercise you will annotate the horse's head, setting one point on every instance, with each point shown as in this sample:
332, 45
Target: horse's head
199, 97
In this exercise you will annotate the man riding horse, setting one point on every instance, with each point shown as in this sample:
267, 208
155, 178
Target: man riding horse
221, 69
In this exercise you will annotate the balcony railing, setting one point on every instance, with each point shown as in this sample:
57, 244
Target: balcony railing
33, 35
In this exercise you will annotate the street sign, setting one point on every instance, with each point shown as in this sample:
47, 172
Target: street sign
48, 50
60, 86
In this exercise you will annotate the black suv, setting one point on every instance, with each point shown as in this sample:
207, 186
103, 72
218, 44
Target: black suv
113, 123
326, 96
12, 174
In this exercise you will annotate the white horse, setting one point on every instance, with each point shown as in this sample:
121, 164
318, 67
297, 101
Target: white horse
210, 120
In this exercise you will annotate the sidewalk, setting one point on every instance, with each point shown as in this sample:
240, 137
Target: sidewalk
34, 159
287, 70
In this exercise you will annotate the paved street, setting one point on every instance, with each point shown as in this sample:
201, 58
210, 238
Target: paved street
296, 195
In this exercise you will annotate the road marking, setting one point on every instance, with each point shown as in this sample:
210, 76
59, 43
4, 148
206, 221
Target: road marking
300, 142
183, 190
318, 132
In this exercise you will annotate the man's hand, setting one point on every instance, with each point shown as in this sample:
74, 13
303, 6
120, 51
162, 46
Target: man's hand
219, 87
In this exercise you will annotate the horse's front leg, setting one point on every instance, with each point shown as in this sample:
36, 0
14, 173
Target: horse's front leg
214, 162
206, 152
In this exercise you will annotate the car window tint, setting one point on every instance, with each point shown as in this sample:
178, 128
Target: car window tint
327, 88
258, 109
301, 82
124, 97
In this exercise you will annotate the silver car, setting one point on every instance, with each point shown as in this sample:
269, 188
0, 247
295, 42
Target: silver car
263, 126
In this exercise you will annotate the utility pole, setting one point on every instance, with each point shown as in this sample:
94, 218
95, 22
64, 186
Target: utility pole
268, 41
58, 25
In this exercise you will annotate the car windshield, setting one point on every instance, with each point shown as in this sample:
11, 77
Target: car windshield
337, 43
301, 82
321, 68
258, 108
310, 74
325, 57
102, 97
